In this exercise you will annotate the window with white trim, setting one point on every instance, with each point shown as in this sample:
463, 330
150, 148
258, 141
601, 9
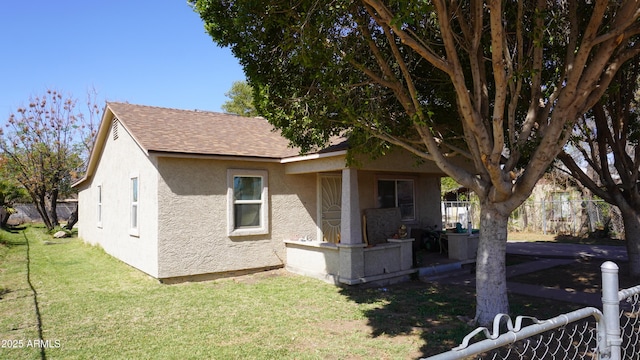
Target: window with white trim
398, 193
99, 206
134, 198
248, 202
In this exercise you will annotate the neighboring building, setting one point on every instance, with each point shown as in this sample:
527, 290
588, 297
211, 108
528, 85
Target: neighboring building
187, 195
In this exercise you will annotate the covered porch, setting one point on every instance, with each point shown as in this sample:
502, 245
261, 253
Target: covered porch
361, 235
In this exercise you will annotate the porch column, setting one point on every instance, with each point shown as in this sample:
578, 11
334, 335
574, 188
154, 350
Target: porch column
350, 223
351, 246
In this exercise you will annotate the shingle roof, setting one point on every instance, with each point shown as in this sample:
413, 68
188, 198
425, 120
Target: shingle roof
201, 132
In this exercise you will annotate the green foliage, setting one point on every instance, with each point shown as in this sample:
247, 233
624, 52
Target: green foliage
241, 100
320, 71
448, 184
306, 87
11, 191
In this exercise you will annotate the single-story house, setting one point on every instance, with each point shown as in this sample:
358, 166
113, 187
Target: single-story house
188, 195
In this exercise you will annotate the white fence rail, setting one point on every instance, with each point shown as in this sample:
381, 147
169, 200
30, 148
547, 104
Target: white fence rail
587, 333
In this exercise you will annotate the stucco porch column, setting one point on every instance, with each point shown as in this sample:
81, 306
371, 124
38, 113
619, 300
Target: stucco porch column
350, 225
351, 246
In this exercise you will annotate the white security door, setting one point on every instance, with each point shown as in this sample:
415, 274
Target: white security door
330, 207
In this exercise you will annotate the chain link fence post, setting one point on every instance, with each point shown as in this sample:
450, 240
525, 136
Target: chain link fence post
611, 309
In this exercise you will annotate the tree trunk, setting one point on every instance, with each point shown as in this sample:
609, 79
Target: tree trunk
4, 217
491, 281
631, 219
41, 206
53, 208
73, 219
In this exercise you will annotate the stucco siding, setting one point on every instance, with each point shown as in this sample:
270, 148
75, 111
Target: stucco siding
400, 160
184, 213
120, 159
192, 219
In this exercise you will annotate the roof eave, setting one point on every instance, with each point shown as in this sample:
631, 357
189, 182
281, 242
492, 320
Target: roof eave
98, 145
177, 154
314, 156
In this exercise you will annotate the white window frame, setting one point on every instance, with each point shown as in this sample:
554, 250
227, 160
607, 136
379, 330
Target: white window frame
397, 178
263, 228
134, 206
99, 206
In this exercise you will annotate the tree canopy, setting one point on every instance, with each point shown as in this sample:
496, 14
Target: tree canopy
240, 100
10, 192
499, 83
43, 146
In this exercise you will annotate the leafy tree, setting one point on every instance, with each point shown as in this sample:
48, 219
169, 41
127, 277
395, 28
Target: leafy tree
448, 184
40, 144
10, 193
241, 103
498, 83
606, 154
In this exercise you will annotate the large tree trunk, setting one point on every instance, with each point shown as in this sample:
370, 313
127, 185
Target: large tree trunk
491, 281
631, 219
73, 219
4, 217
53, 208
41, 206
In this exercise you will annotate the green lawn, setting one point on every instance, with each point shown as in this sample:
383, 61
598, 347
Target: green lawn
93, 306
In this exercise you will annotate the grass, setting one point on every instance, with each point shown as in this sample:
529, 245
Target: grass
93, 306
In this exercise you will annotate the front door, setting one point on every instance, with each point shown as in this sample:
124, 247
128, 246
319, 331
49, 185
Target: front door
330, 199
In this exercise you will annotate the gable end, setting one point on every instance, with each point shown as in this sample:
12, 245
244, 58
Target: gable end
114, 128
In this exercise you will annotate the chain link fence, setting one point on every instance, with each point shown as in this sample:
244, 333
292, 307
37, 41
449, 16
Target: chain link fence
630, 323
569, 217
587, 333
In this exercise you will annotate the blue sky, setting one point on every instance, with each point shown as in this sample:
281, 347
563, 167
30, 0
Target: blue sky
150, 52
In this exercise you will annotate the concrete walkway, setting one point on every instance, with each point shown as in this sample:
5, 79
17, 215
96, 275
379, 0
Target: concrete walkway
549, 255
568, 251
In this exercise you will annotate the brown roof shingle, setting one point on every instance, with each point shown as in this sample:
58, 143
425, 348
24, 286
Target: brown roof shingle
201, 132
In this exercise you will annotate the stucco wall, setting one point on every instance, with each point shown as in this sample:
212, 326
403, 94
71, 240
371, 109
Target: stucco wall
120, 159
315, 259
193, 217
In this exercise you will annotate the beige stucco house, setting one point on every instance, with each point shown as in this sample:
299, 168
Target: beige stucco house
186, 195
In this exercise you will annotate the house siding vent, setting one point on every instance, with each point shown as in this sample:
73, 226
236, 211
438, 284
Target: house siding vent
115, 128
